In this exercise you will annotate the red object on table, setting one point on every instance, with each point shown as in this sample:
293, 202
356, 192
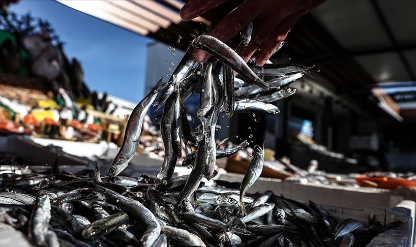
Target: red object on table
388, 183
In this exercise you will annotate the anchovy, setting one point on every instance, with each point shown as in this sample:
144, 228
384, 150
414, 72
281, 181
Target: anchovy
104, 226
78, 194
16, 198
166, 93
322, 217
39, 222
218, 190
68, 239
82, 221
230, 151
139, 213
228, 56
183, 68
281, 94
210, 144
229, 91
347, 240
187, 133
238, 83
97, 173
345, 227
281, 69
245, 34
177, 128
253, 173
279, 47
207, 97
204, 234
161, 241
254, 106
213, 224
51, 239
67, 221
265, 230
167, 126
133, 131
257, 212
230, 238
263, 198
182, 236
211, 197
270, 241
196, 174
276, 83
124, 236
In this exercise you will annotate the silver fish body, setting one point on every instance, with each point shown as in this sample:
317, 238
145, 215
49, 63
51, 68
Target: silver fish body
182, 236
253, 173
281, 94
228, 56
229, 91
133, 131
257, 212
104, 226
245, 34
139, 213
254, 106
39, 222
273, 84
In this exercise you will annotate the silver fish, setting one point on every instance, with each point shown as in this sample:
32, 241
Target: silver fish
273, 84
229, 91
281, 94
137, 212
104, 226
254, 106
133, 131
228, 56
39, 222
182, 236
253, 173
207, 95
257, 212
245, 34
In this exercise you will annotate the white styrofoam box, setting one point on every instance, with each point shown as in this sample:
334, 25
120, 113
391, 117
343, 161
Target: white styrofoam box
82, 149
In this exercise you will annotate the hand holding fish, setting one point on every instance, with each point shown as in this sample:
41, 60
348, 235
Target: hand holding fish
272, 21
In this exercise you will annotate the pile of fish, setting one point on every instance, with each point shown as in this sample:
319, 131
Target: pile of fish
64, 209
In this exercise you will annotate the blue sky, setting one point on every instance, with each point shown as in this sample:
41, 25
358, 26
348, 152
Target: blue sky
113, 59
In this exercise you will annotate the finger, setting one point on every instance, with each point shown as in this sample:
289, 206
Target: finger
194, 8
278, 35
230, 26
200, 55
263, 26
236, 21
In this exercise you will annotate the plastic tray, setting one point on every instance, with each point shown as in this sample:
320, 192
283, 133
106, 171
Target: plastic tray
387, 183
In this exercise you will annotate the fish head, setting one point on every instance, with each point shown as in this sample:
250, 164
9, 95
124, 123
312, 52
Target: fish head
119, 164
43, 201
91, 231
226, 201
258, 149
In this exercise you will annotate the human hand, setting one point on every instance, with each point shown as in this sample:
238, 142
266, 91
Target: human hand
272, 19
